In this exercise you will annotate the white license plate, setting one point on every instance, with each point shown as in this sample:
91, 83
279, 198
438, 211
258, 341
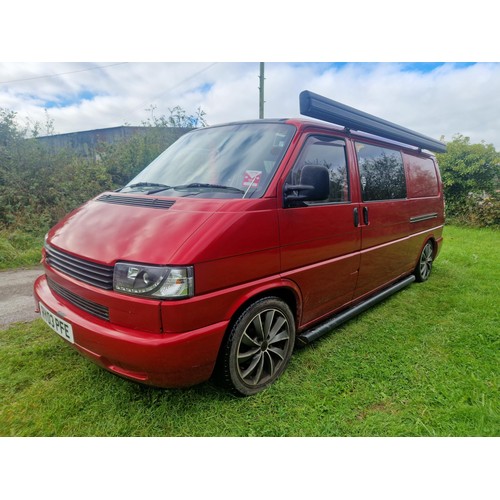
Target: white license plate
61, 327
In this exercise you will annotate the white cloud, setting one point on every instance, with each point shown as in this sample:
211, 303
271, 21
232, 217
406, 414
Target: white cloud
449, 99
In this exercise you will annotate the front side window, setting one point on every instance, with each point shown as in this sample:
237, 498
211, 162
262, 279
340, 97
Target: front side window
381, 173
328, 152
230, 161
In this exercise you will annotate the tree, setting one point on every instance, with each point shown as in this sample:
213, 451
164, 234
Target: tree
178, 117
470, 174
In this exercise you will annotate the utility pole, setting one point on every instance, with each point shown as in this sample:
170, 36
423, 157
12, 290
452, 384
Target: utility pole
261, 91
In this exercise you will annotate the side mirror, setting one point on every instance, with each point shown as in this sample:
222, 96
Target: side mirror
314, 185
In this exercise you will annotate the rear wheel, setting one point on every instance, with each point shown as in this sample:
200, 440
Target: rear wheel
424, 266
258, 347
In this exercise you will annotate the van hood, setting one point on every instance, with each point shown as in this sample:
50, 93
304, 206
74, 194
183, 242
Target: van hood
144, 229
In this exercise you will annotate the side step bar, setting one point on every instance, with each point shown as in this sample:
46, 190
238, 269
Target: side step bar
317, 331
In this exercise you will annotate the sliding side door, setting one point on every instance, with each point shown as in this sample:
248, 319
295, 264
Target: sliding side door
385, 252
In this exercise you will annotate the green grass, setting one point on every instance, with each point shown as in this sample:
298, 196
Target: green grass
19, 249
423, 363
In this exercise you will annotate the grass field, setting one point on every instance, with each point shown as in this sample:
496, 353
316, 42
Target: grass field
423, 363
18, 249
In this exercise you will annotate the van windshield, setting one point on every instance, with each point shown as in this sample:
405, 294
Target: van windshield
229, 161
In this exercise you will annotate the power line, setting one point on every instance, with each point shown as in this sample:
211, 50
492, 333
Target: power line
65, 73
176, 85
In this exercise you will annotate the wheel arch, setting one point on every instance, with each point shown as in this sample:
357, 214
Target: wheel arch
285, 290
429, 238
432, 239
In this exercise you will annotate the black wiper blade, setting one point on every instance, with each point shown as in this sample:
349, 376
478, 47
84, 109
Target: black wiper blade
208, 186
147, 184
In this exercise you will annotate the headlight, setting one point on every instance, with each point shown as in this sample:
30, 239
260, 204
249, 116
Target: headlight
153, 281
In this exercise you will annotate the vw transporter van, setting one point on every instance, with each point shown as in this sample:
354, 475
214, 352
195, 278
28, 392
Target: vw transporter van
241, 241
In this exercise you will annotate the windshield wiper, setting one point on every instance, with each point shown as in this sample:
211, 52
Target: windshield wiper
192, 185
147, 185
208, 186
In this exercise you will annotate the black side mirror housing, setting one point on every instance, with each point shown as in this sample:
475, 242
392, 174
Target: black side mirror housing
314, 185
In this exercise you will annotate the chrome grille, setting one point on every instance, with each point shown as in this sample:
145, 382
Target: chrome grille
136, 201
89, 272
84, 304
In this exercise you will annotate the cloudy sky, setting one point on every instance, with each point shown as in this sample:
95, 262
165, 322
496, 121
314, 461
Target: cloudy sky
106, 68
437, 99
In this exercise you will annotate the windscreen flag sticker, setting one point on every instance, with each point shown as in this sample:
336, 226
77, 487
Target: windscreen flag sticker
252, 178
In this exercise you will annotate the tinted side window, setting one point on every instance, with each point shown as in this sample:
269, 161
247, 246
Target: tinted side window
381, 173
330, 153
422, 177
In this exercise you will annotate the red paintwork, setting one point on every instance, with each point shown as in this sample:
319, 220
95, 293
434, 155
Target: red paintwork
107, 233
240, 249
155, 359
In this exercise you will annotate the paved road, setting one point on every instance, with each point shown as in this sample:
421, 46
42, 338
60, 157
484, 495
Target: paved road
16, 296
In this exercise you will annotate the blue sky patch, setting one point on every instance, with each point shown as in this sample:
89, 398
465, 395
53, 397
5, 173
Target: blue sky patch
427, 67
63, 101
421, 67
206, 87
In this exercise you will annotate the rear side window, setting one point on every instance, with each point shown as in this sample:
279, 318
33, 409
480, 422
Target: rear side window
330, 153
422, 177
381, 173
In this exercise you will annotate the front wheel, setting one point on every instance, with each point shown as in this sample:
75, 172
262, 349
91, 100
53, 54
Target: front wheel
258, 347
424, 265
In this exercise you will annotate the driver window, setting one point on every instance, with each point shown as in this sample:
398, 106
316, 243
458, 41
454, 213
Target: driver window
330, 153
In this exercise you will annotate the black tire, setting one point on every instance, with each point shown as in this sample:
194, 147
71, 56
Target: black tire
258, 347
424, 264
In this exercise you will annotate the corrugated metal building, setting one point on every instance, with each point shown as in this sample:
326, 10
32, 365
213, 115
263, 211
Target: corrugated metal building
86, 143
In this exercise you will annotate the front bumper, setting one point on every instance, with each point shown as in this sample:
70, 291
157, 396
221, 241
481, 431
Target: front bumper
158, 359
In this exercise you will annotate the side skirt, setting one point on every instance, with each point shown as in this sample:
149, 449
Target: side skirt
318, 331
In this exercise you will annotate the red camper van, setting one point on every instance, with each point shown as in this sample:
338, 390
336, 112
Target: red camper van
241, 241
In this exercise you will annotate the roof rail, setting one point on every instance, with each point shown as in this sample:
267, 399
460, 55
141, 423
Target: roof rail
317, 106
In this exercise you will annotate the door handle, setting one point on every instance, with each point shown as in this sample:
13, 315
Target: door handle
365, 216
356, 217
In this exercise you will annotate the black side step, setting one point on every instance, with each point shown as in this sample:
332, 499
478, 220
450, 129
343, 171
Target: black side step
317, 331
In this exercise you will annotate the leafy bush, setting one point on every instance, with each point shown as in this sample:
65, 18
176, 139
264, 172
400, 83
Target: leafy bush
125, 159
38, 186
470, 174
480, 210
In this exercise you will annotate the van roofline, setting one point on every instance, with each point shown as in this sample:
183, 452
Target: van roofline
245, 122
302, 122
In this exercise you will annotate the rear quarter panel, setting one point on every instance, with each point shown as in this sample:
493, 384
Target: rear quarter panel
425, 201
